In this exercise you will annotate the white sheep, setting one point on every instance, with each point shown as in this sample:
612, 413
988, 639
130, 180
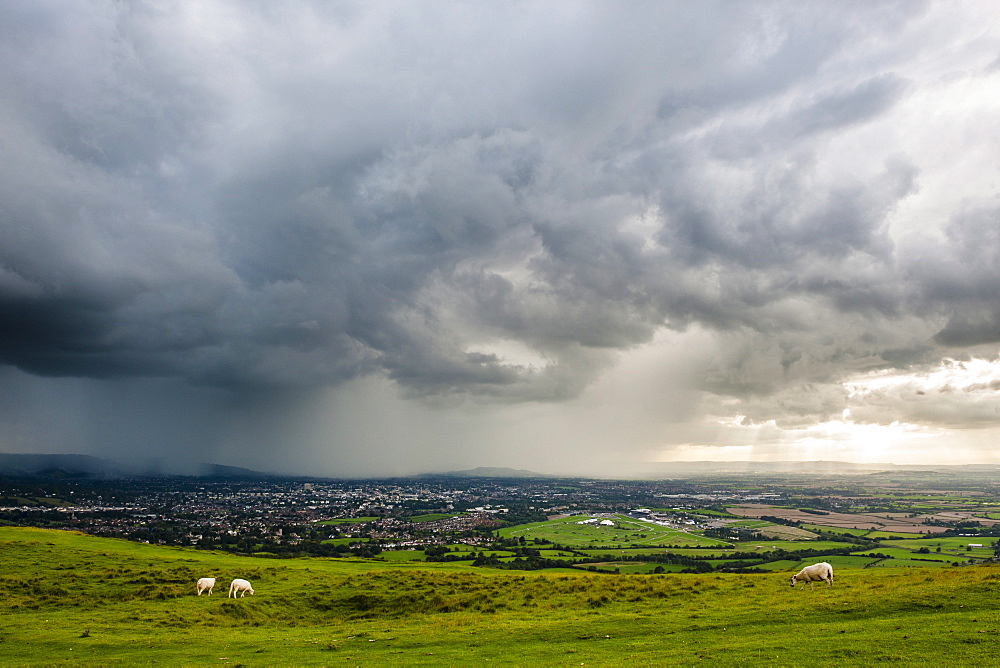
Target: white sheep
205, 584
241, 587
815, 573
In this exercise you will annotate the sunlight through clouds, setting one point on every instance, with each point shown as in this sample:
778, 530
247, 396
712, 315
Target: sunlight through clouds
888, 416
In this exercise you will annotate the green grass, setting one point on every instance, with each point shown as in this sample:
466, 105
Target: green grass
76, 600
626, 566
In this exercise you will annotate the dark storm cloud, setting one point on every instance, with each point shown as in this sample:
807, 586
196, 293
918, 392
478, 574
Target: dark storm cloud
297, 195
965, 278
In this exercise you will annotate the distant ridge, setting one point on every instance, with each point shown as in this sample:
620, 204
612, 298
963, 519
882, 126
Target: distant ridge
222, 471
87, 466
60, 466
493, 472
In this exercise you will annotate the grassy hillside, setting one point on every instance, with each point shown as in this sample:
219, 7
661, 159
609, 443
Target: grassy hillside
70, 598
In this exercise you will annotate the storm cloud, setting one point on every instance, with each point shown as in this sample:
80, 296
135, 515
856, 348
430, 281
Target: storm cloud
476, 205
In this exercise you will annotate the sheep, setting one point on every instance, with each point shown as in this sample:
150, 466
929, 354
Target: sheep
205, 584
241, 587
814, 573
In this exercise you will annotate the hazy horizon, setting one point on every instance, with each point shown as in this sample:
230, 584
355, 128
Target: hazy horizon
578, 237
76, 463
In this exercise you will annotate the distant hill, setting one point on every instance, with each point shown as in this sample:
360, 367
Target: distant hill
60, 466
685, 469
494, 472
222, 471
87, 466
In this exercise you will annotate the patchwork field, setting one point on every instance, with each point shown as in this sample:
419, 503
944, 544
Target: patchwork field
890, 523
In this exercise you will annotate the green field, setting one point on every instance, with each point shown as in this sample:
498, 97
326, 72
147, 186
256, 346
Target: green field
950, 543
632, 567
642, 552
626, 532
892, 534
697, 511
790, 545
71, 599
840, 530
900, 553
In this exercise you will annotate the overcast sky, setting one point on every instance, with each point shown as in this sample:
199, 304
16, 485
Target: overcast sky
374, 238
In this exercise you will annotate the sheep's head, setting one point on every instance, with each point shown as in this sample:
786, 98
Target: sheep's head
793, 580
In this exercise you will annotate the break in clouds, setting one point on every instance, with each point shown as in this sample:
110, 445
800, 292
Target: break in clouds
494, 204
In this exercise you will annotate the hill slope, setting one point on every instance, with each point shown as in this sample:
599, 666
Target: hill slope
70, 598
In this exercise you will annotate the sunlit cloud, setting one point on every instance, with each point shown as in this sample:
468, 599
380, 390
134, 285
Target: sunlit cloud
897, 416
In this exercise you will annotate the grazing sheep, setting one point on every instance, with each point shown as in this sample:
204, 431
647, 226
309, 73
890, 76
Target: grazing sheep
815, 573
205, 584
241, 587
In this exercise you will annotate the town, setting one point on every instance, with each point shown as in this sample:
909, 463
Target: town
308, 516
